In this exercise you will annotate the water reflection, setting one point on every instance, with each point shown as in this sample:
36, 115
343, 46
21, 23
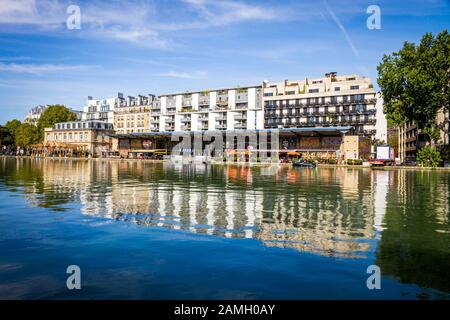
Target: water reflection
400, 216
324, 211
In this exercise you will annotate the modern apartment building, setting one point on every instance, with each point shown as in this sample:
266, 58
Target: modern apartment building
331, 101
132, 115
91, 136
411, 138
236, 108
101, 109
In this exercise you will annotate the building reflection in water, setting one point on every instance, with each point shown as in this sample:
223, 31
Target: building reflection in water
335, 212
401, 217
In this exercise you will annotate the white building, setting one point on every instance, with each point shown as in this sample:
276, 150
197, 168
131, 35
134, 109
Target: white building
33, 116
330, 101
236, 108
101, 109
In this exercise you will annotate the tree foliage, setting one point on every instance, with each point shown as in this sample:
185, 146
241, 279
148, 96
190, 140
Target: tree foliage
54, 114
415, 81
12, 127
26, 135
428, 156
6, 139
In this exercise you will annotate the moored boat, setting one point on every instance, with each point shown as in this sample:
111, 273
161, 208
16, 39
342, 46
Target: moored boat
302, 163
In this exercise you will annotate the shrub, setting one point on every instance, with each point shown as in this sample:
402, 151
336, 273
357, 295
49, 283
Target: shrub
354, 162
332, 161
428, 156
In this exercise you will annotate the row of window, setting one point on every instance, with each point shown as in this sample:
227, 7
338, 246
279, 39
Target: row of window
318, 100
131, 117
83, 125
313, 90
69, 136
131, 124
347, 118
359, 108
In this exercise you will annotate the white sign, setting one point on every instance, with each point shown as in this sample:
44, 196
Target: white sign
383, 152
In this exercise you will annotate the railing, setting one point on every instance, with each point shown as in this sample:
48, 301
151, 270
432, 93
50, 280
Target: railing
240, 117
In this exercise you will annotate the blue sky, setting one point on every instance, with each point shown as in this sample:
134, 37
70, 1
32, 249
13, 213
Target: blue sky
141, 47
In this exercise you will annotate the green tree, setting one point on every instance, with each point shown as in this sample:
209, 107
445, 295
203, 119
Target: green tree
54, 114
12, 127
415, 82
6, 139
26, 135
428, 156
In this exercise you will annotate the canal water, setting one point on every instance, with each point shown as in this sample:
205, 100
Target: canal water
141, 230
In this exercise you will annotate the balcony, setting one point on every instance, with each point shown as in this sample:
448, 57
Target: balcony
170, 120
241, 105
240, 126
221, 126
169, 127
204, 126
186, 127
203, 102
171, 110
222, 102
371, 101
204, 108
240, 117
154, 121
186, 109
221, 107
185, 120
221, 118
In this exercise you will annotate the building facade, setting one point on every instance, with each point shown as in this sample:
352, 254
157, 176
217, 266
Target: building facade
133, 114
329, 101
101, 109
33, 116
411, 138
237, 108
92, 136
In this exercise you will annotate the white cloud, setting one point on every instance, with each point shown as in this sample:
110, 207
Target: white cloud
141, 23
128, 22
226, 12
39, 69
183, 75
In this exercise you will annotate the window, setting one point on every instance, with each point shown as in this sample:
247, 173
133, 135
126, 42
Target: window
354, 87
313, 90
337, 88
